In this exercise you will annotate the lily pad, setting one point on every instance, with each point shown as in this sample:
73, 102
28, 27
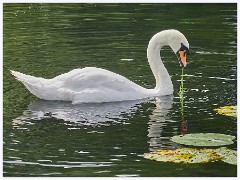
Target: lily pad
191, 155
229, 156
184, 155
204, 139
227, 110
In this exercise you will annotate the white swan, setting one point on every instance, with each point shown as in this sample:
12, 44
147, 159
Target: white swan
95, 85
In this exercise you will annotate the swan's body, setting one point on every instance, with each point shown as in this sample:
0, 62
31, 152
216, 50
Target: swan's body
92, 84
88, 84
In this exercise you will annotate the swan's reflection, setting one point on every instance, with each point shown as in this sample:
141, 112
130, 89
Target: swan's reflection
160, 117
102, 114
81, 114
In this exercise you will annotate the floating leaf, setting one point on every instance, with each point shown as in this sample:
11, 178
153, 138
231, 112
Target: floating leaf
204, 139
190, 155
184, 155
229, 156
227, 111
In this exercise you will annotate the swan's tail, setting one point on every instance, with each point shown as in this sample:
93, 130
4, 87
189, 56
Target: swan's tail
31, 80
33, 84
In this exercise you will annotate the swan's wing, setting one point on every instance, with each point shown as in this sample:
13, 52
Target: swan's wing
96, 85
94, 78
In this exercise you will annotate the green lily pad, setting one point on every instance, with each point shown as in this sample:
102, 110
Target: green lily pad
204, 139
184, 155
229, 156
227, 110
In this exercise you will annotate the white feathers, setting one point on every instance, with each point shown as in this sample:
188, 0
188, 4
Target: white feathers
90, 84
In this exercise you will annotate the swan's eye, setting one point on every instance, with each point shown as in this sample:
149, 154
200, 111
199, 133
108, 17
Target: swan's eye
184, 48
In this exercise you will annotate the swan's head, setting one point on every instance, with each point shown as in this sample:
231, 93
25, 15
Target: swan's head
179, 44
173, 38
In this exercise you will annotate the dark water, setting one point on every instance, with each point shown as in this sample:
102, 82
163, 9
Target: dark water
109, 139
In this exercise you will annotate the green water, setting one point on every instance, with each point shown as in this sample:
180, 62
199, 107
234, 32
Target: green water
109, 139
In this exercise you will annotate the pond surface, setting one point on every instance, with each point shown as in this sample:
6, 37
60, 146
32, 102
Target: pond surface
109, 139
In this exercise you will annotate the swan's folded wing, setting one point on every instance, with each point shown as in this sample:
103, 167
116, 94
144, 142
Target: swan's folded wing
95, 78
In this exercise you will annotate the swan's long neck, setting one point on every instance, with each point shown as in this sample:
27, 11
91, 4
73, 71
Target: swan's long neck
163, 80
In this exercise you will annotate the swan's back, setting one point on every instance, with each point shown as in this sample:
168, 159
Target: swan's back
92, 84
84, 85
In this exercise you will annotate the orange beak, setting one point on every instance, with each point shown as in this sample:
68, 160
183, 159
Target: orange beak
182, 58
